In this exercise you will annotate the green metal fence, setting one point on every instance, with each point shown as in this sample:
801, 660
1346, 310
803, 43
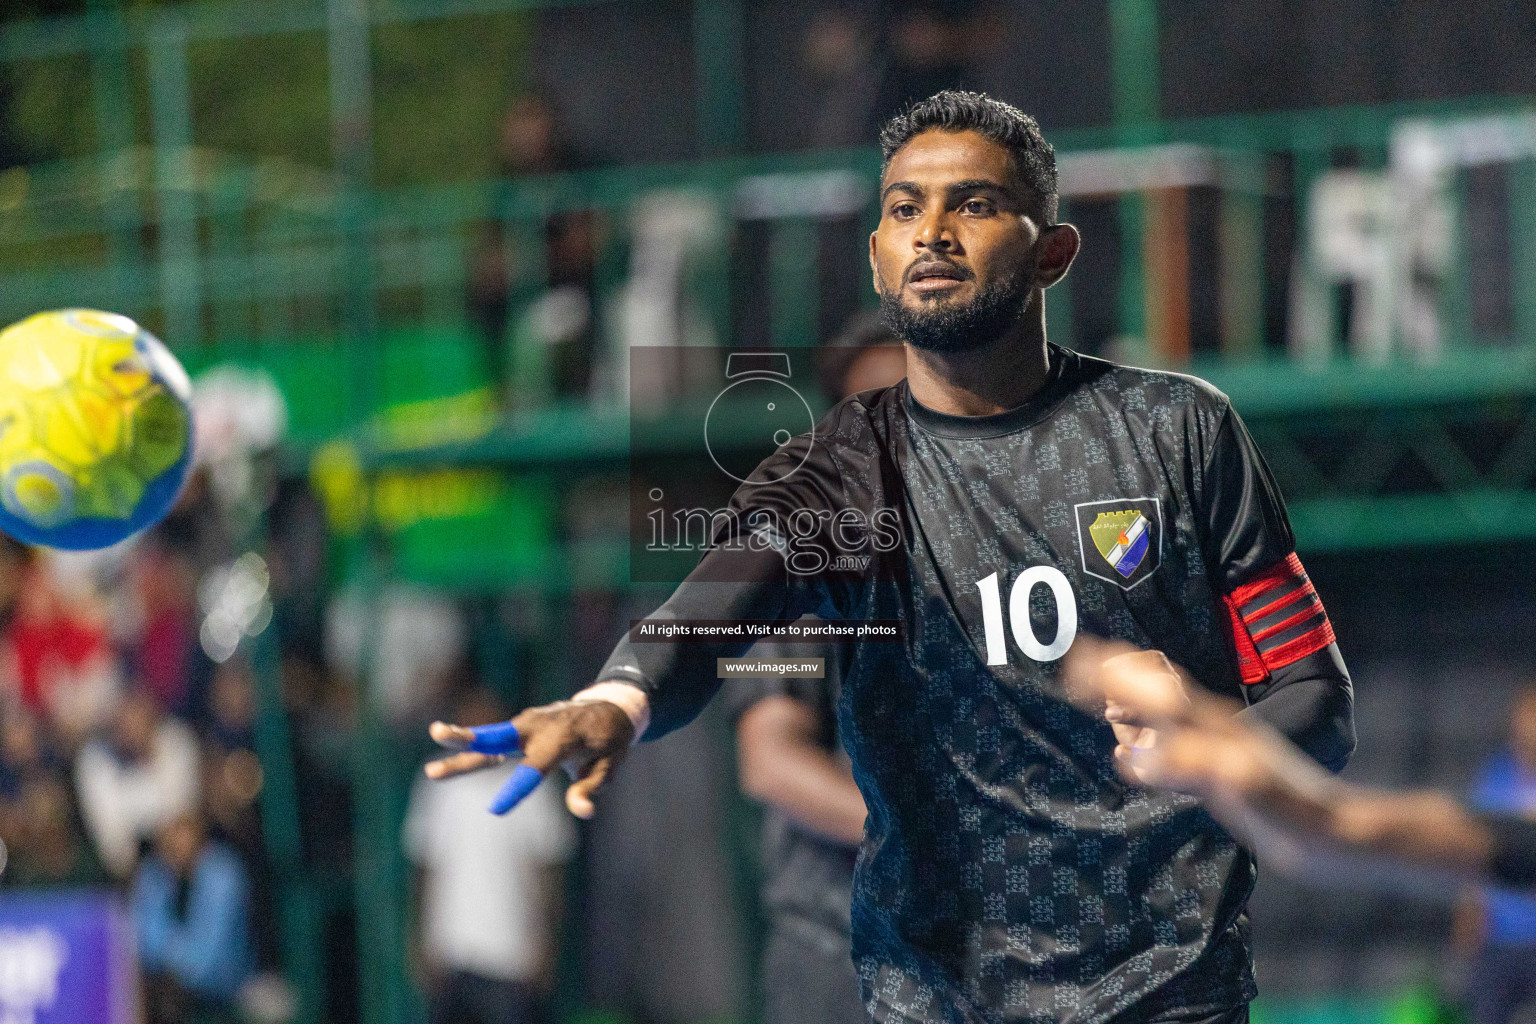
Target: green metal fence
210, 250
212, 246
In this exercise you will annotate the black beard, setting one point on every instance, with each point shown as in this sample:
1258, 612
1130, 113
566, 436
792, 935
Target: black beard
954, 327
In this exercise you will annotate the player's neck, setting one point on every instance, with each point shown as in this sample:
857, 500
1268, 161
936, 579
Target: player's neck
984, 381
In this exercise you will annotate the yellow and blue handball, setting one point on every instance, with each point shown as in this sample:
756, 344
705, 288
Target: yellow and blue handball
95, 429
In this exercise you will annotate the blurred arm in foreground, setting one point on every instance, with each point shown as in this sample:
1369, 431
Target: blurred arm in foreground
1272, 796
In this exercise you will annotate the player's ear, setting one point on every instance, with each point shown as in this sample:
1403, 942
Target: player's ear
1058, 246
874, 270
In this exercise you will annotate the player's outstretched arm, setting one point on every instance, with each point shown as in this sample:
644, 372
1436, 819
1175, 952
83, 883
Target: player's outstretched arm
1271, 794
649, 689
587, 735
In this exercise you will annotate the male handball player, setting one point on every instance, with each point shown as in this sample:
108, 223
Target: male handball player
1007, 872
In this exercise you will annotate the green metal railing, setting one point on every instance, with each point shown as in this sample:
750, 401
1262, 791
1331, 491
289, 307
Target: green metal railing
209, 250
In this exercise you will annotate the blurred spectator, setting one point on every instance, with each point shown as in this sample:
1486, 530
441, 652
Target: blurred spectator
232, 706
862, 73
56, 660
933, 44
26, 758
844, 67
322, 715
134, 781
554, 337
533, 141
46, 847
490, 889
419, 639
298, 559
197, 527
232, 775
15, 558
322, 719
489, 298
1499, 929
26, 752
233, 778
865, 355
163, 641
190, 913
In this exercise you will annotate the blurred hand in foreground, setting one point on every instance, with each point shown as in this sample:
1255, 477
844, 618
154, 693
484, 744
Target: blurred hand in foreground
1150, 676
1263, 789
1174, 735
589, 738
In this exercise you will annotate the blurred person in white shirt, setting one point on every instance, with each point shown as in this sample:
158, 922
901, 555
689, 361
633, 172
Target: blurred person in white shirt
490, 890
136, 779
418, 642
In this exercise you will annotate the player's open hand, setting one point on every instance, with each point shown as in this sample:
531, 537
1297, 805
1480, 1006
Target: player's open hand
1141, 692
1260, 786
1181, 737
1164, 725
588, 737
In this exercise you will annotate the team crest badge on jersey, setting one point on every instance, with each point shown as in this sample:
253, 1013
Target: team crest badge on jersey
1121, 540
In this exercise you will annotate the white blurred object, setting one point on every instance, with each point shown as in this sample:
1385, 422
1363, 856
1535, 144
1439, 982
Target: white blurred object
1351, 238
559, 315
483, 910
671, 230
124, 803
268, 999
418, 638
93, 575
236, 603
238, 412
1391, 236
237, 409
80, 700
1425, 156
31, 960
1426, 147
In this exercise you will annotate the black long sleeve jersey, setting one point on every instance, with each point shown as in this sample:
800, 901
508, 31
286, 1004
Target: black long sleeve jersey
1007, 873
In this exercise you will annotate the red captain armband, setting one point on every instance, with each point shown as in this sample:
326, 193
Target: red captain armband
1277, 619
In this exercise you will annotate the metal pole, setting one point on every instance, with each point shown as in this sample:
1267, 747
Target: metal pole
377, 882
347, 47
1522, 234
793, 247
180, 289
114, 137
719, 27
1312, 330
299, 915
378, 877
1133, 60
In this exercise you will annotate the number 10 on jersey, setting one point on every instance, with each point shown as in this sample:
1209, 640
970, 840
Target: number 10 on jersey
1018, 614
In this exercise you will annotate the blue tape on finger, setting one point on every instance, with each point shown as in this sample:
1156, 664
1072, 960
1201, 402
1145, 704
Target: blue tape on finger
496, 739
525, 779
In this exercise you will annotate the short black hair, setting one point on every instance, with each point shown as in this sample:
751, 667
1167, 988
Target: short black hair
954, 110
